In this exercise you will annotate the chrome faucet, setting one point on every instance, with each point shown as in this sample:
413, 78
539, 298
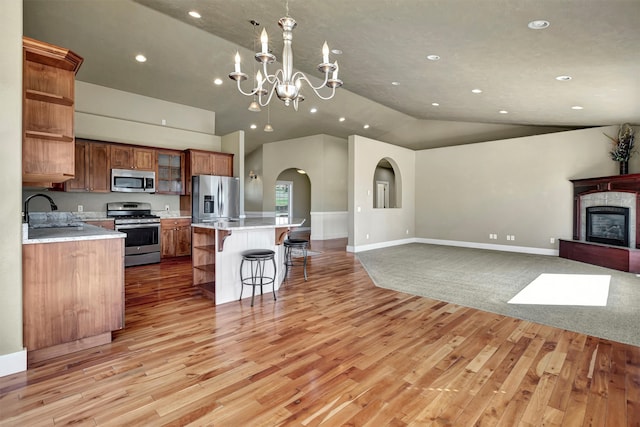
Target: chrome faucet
54, 207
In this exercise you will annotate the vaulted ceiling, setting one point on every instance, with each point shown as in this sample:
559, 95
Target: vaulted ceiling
484, 45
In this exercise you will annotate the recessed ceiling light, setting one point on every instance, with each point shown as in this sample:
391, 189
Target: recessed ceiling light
503, 112
342, 119
217, 82
435, 104
194, 14
313, 110
366, 126
301, 171
253, 126
395, 83
577, 107
433, 57
336, 51
141, 58
476, 90
538, 24
564, 78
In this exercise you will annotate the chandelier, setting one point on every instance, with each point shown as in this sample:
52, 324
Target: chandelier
283, 82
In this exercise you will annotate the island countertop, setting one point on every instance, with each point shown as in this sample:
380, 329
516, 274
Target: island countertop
251, 223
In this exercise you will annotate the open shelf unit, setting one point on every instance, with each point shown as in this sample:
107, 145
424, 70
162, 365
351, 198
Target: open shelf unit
203, 256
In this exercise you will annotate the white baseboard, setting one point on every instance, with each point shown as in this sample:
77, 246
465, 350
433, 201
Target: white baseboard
475, 245
491, 246
13, 363
381, 245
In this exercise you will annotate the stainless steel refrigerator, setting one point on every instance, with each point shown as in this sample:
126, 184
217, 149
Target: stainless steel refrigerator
214, 198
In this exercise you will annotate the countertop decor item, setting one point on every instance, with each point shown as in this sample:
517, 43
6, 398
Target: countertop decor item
622, 147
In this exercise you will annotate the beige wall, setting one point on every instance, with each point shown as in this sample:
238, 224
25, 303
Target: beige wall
514, 187
369, 227
11, 350
323, 157
113, 115
253, 187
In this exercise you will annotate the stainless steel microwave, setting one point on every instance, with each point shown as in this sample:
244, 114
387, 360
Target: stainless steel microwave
133, 181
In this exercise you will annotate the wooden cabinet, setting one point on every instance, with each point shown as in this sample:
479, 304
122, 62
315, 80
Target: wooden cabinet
130, 157
176, 237
47, 118
73, 295
203, 258
201, 162
92, 171
170, 172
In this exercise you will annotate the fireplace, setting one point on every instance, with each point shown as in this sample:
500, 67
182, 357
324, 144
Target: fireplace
608, 225
606, 222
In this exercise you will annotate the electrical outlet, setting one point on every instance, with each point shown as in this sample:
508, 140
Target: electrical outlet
367, 236
80, 208
552, 240
407, 231
166, 208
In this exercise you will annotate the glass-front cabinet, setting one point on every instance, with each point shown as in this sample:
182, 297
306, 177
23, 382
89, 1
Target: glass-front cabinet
170, 174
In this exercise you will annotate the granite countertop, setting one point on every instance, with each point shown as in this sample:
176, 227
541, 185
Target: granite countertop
67, 234
251, 223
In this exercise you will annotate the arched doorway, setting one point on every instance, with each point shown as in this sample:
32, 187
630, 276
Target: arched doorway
293, 195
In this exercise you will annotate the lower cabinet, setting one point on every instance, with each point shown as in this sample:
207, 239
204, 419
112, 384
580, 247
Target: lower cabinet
175, 237
73, 295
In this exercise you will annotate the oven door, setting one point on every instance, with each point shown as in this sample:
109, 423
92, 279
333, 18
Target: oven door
141, 238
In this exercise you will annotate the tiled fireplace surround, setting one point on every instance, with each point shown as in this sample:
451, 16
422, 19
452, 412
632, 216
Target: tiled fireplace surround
609, 198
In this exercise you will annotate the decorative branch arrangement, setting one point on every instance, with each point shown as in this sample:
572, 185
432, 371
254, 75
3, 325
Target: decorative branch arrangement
622, 147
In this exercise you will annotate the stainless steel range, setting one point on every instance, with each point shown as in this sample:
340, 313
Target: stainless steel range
142, 244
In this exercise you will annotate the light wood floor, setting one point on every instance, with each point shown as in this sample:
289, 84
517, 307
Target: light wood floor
334, 350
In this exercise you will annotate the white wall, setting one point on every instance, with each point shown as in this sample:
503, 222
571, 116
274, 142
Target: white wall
514, 187
368, 227
13, 357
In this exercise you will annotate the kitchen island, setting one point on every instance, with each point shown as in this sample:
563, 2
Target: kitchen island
217, 248
73, 288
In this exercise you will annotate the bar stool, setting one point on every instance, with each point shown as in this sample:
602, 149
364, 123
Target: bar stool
257, 259
289, 245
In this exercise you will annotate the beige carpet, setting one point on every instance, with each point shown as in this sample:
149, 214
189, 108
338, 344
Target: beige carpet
487, 280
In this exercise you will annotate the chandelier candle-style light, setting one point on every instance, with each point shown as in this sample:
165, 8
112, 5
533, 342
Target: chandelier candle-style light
284, 83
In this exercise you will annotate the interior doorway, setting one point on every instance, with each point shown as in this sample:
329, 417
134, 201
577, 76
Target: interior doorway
382, 194
284, 199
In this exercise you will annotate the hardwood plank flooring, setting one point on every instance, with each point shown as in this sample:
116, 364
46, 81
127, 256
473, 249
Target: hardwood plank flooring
334, 350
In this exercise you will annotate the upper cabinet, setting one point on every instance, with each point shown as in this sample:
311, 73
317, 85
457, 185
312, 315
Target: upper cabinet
47, 119
92, 168
128, 157
170, 173
201, 162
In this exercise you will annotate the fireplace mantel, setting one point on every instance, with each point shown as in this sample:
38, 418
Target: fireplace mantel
619, 258
629, 183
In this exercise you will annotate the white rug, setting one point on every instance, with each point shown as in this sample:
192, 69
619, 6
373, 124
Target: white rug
565, 289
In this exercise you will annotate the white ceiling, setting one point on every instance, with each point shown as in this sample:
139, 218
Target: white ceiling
483, 44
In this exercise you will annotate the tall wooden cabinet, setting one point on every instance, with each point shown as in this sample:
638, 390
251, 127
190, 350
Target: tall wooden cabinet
48, 106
